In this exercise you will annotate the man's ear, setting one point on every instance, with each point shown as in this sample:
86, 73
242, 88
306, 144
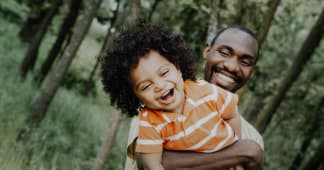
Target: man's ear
206, 51
253, 71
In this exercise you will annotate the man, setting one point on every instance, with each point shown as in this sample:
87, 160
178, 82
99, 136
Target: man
230, 62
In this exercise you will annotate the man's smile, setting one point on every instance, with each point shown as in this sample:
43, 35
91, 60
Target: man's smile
224, 78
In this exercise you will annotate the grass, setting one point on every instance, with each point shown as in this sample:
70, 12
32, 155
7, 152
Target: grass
69, 136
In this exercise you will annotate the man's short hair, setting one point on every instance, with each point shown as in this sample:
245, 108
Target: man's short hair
239, 27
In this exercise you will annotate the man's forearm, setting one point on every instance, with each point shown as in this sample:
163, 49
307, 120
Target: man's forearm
244, 152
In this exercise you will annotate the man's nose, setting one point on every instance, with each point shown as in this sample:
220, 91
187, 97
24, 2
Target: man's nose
231, 65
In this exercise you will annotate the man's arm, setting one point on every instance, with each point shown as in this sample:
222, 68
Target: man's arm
244, 152
151, 161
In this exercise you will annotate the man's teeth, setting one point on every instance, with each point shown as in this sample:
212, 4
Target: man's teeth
225, 78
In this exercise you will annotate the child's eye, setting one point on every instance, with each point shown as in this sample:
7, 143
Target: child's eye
146, 86
164, 72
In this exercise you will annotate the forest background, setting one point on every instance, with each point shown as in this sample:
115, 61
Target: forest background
55, 115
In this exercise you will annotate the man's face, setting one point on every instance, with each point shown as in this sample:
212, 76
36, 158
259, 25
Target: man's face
230, 62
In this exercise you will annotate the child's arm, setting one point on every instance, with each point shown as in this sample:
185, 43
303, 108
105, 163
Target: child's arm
234, 120
151, 161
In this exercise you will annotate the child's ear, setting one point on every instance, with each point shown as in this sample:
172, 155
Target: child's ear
180, 73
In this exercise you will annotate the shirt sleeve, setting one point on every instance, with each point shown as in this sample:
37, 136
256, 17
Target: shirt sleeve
149, 138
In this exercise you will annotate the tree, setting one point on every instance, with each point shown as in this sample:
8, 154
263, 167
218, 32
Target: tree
135, 9
135, 13
263, 32
51, 86
316, 161
241, 12
64, 30
153, 8
309, 135
89, 82
214, 20
31, 55
33, 21
305, 53
107, 142
258, 100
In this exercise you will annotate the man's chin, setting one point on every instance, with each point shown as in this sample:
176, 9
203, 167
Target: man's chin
229, 87
225, 85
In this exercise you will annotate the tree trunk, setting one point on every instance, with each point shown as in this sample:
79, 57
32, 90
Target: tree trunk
305, 53
258, 100
89, 82
153, 8
31, 55
213, 20
135, 5
263, 32
251, 111
107, 142
49, 89
135, 9
238, 20
65, 29
30, 28
317, 160
32, 23
309, 135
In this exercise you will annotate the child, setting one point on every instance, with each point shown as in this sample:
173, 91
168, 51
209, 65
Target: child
151, 71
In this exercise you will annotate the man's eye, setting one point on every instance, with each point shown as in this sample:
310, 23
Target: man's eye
224, 53
246, 62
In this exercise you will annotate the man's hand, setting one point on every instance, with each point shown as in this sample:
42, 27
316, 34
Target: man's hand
244, 152
151, 161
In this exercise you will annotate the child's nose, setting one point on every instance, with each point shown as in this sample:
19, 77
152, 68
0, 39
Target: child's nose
159, 85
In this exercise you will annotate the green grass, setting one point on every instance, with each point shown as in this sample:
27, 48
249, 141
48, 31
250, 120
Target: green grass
71, 133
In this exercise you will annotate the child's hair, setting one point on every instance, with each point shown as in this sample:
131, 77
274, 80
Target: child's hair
124, 53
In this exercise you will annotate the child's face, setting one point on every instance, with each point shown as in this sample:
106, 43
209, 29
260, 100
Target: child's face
158, 83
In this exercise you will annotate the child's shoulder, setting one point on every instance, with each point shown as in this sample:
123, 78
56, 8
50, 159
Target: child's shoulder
198, 88
151, 116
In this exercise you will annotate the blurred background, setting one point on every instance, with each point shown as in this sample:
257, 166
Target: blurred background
54, 114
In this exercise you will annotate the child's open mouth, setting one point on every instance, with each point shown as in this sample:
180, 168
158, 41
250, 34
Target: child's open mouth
167, 97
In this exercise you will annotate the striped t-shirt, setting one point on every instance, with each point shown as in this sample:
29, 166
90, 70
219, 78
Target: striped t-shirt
199, 128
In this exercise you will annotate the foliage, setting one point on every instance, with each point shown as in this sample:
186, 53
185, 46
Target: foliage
13, 11
71, 134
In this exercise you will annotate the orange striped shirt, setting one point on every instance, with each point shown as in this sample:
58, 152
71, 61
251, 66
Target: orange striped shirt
199, 128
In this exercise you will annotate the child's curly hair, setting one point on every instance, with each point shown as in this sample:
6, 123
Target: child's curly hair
124, 53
